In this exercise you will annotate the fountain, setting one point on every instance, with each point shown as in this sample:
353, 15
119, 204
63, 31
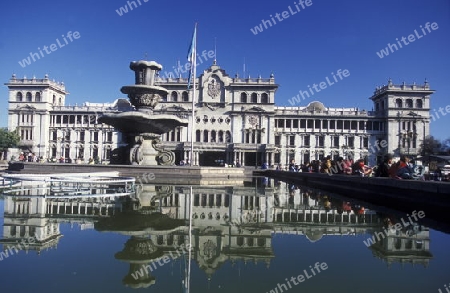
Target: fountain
143, 127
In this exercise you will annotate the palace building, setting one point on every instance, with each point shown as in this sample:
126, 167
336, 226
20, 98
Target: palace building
236, 120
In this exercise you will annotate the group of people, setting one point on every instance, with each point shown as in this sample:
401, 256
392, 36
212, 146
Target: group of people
403, 169
29, 157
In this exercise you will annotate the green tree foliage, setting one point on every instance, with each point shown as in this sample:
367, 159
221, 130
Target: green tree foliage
8, 139
446, 146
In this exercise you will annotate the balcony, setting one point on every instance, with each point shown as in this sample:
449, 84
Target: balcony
26, 143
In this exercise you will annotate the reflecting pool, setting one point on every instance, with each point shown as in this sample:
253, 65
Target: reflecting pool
262, 236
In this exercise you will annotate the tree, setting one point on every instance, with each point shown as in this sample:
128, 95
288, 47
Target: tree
8, 139
446, 146
430, 146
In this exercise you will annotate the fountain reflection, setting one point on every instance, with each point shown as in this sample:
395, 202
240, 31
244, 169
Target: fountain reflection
228, 224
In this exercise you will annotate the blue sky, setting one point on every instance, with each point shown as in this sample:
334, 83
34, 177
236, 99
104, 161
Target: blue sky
300, 50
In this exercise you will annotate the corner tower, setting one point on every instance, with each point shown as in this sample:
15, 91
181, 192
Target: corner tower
29, 104
406, 110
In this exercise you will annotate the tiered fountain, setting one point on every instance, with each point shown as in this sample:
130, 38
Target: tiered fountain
143, 127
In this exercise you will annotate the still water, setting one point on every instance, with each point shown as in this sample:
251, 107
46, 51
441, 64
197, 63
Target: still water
263, 236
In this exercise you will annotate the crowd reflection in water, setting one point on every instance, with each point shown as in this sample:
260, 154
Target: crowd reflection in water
229, 223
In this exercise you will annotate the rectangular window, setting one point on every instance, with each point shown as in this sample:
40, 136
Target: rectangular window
354, 125
307, 141
317, 124
65, 119
346, 124
310, 123
277, 140
54, 135
332, 124
302, 123
295, 123
292, 140
325, 124
96, 136
72, 119
361, 125
336, 141
82, 135
281, 123
288, 123
369, 126
58, 119
366, 142
351, 141
376, 125
339, 125
320, 141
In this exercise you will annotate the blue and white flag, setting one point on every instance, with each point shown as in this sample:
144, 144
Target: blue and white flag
191, 55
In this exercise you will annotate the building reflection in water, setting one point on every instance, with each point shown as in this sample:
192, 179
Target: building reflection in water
229, 224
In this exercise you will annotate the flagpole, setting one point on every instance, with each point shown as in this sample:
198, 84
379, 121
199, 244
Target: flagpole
194, 65
190, 240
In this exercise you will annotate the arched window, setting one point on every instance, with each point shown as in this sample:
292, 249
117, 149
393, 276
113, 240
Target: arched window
205, 136
37, 97
174, 97
409, 103
254, 98
60, 102
399, 103
419, 104
19, 97
213, 136
54, 99
382, 105
197, 135
377, 107
29, 98
220, 136
228, 138
185, 96
264, 98
243, 98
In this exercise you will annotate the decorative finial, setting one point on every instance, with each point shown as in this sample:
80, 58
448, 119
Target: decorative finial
272, 75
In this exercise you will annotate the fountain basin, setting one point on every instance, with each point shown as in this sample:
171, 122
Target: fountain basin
143, 122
